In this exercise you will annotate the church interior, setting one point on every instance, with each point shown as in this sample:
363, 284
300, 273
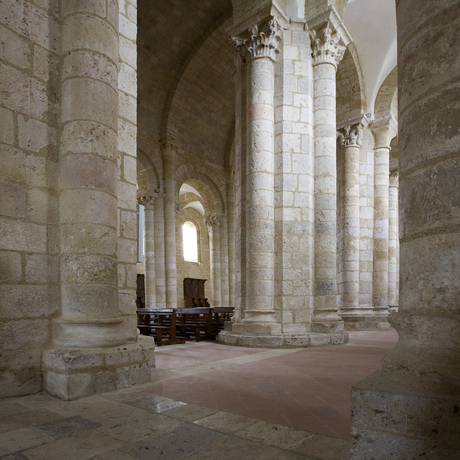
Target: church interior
293, 162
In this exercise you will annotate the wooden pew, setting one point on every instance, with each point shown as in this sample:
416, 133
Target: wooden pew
220, 315
159, 323
194, 323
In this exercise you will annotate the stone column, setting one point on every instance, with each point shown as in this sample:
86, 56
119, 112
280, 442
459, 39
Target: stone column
410, 408
383, 134
349, 142
326, 54
88, 200
231, 235
149, 253
260, 115
213, 221
159, 250
169, 156
224, 272
393, 242
88, 333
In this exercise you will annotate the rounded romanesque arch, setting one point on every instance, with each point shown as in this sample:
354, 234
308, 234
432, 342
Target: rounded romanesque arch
199, 176
386, 103
148, 176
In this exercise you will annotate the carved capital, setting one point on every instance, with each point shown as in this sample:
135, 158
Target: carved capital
177, 206
214, 219
238, 44
146, 200
350, 136
325, 46
264, 40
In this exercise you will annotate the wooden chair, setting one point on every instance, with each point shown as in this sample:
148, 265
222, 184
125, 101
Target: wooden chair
194, 323
159, 323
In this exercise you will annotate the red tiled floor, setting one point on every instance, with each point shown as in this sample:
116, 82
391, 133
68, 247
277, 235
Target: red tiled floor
308, 389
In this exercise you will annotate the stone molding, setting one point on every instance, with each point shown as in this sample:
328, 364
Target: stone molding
350, 136
325, 46
213, 219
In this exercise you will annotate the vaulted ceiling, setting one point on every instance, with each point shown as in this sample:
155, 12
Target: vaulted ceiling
186, 63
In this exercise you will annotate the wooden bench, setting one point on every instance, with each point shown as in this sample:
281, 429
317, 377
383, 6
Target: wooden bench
159, 323
194, 323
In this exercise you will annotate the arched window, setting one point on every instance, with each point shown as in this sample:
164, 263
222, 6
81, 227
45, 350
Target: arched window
190, 242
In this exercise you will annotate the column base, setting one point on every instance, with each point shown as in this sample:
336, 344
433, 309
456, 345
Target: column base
366, 323
280, 340
71, 373
327, 327
397, 420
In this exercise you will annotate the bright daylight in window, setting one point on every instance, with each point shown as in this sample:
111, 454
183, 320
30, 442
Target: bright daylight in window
190, 242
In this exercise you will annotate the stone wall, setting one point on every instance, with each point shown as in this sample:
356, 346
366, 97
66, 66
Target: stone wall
127, 175
29, 212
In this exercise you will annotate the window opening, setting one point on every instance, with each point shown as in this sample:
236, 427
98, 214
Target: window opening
190, 242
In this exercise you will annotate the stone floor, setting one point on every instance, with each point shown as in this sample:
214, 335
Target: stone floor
208, 401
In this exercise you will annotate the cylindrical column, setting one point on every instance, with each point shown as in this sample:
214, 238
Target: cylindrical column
149, 254
327, 53
213, 221
260, 173
393, 242
88, 180
410, 408
231, 235
169, 156
349, 140
159, 250
224, 273
382, 135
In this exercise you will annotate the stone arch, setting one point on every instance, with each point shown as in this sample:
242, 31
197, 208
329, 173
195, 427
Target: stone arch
350, 89
212, 190
148, 177
386, 103
199, 112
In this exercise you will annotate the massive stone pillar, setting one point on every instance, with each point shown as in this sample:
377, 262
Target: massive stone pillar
383, 134
89, 330
327, 53
393, 243
213, 222
274, 191
349, 142
169, 156
149, 253
410, 408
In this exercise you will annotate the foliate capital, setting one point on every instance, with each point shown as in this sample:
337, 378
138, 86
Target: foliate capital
350, 136
146, 200
214, 219
325, 46
177, 206
264, 40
